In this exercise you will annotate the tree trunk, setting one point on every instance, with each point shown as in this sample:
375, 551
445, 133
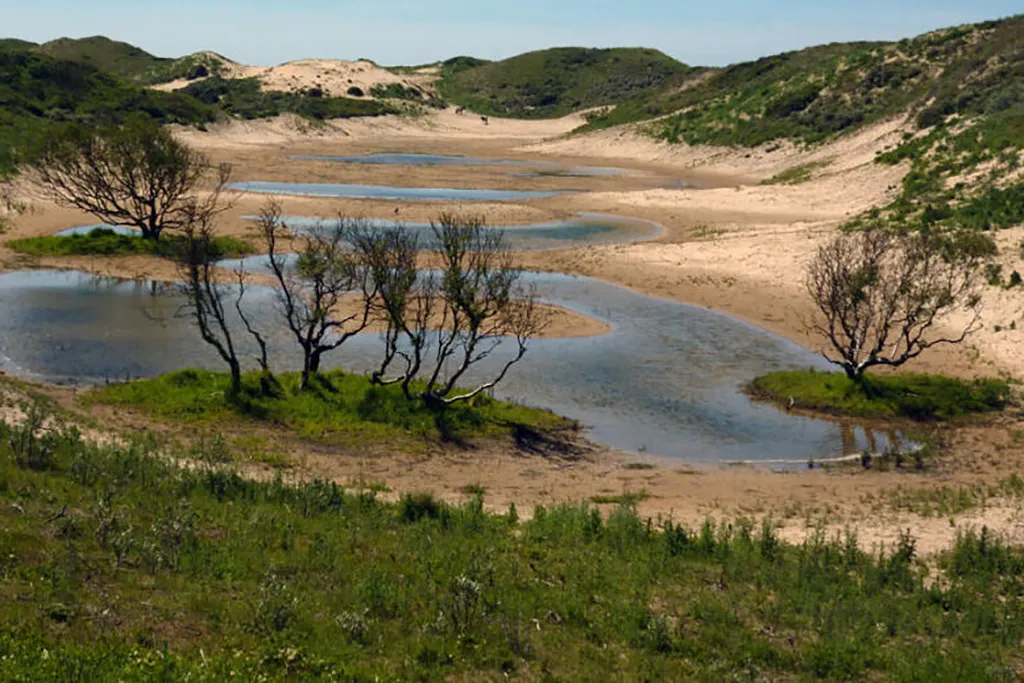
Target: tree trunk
236, 377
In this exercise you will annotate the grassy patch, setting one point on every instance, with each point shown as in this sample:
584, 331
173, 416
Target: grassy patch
117, 566
104, 242
918, 397
624, 499
794, 176
339, 408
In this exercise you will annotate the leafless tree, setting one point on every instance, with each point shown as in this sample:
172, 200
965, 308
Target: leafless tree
136, 175
204, 291
881, 297
10, 205
313, 286
441, 323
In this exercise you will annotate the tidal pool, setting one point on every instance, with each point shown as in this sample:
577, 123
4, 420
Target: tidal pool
585, 229
387, 192
666, 380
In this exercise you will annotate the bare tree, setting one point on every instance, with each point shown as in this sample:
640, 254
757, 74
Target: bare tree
136, 175
10, 205
441, 323
205, 292
881, 297
313, 286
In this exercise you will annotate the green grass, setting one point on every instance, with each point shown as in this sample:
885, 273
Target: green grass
913, 396
796, 175
556, 82
105, 242
339, 408
117, 566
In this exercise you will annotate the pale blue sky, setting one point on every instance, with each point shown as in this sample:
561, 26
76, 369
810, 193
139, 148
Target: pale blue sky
714, 32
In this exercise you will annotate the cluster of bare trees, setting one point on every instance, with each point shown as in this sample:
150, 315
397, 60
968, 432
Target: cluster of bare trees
332, 283
343, 278
883, 298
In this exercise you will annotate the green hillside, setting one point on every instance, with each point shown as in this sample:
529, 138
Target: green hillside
38, 92
555, 82
117, 58
132, 63
961, 88
15, 44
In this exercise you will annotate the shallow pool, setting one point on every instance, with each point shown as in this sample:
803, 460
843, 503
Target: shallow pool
666, 380
586, 229
401, 159
386, 192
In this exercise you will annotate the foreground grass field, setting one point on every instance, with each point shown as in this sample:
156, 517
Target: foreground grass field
339, 408
120, 564
913, 396
105, 242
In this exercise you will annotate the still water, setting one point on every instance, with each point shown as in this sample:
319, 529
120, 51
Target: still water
667, 379
387, 192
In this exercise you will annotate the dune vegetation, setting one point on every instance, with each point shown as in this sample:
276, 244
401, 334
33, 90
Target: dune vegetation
119, 564
555, 82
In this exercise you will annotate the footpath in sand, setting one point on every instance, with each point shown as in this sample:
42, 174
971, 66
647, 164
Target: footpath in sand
731, 244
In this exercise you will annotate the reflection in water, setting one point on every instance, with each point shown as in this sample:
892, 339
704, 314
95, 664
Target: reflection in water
667, 379
587, 229
351, 191
86, 229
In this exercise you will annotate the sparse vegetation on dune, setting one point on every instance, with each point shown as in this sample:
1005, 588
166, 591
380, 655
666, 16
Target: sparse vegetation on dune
245, 98
119, 565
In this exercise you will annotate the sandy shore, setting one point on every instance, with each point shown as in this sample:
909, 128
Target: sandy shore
734, 245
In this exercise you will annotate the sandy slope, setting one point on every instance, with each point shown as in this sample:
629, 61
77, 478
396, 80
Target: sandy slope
334, 76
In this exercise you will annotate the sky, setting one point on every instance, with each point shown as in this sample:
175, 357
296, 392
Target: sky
392, 32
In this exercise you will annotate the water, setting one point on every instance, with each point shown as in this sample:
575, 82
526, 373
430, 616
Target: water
386, 192
586, 229
86, 229
666, 380
396, 159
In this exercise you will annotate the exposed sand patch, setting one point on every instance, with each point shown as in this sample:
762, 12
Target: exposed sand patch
334, 76
447, 124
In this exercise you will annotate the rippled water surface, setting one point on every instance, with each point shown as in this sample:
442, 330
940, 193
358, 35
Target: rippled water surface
667, 379
389, 193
